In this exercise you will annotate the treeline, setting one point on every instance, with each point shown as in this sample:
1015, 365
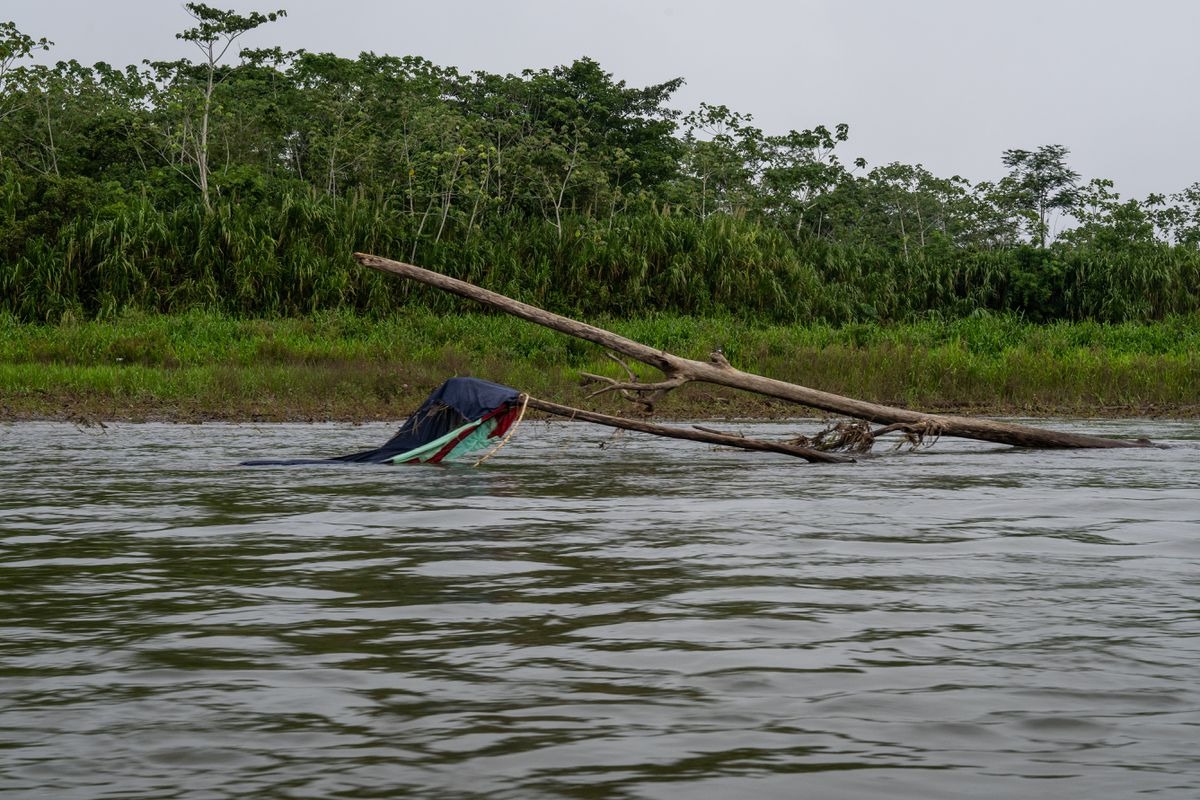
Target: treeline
242, 183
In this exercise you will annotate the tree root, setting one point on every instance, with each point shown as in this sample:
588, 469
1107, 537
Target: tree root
857, 436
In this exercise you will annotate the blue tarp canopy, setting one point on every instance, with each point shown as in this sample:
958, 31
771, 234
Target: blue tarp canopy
458, 406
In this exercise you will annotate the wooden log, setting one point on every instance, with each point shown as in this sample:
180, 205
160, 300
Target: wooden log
711, 437
717, 370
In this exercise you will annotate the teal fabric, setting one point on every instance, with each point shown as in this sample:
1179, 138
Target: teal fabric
475, 440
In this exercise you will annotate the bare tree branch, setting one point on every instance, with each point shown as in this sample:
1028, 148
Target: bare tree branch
711, 437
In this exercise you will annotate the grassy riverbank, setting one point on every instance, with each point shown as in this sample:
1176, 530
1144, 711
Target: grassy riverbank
201, 366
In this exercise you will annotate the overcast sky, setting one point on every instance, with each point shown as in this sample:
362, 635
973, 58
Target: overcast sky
946, 83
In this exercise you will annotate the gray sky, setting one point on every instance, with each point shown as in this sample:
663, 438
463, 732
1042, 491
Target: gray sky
946, 83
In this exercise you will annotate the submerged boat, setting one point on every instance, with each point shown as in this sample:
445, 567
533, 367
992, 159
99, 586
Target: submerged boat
462, 416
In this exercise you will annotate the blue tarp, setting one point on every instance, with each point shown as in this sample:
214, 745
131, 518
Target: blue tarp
452, 405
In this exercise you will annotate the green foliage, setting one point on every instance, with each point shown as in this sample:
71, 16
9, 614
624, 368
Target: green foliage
347, 365
241, 184
1038, 182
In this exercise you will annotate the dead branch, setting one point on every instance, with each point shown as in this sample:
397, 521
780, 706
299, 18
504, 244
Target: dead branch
712, 430
915, 435
628, 369
717, 370
644, 394
711, 437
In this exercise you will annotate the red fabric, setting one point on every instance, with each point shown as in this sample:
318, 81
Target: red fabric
505, 422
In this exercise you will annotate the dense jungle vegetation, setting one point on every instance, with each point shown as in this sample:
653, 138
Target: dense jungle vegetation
240, 183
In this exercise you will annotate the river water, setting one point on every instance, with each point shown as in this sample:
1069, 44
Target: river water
646, 619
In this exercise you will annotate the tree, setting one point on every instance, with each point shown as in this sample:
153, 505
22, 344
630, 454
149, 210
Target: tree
904, 207
721, 159
594, 141
214, 36
1106, 222
1180, 223
14, 46
800, 171
1038, 182
334, 118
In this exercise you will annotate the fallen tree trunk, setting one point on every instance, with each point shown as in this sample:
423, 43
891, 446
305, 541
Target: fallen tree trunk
697, 435
717, 370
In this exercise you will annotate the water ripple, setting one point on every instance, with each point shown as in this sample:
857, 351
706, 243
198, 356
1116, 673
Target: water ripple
651, 620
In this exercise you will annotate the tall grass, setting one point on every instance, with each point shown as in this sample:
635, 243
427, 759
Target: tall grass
292, 256
348, 365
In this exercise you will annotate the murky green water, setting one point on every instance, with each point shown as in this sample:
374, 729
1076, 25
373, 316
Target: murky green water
648, 620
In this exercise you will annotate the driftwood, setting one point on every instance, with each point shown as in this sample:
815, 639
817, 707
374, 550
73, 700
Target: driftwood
717, 370
696, 435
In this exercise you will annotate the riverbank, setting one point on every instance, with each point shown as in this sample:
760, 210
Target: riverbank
198, 367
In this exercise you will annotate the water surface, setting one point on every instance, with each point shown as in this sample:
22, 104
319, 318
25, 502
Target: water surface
647, 619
